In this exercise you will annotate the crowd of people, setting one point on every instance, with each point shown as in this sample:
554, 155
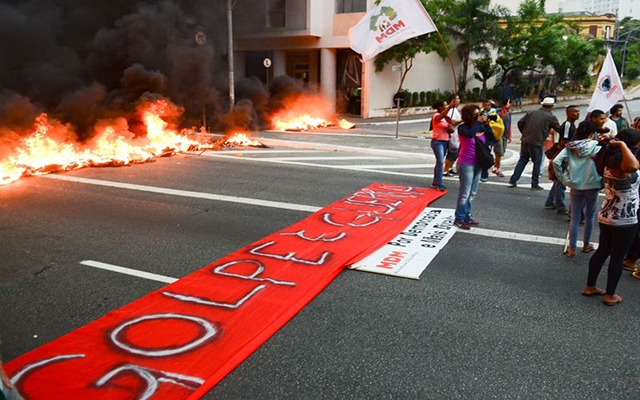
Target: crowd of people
598, 155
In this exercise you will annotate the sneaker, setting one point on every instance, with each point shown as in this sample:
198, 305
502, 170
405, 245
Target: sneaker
513, 184
484, 179
549, 206
636, 275
537, 187
562, 211
473, 223
434, 185
448, 174
441, 188
462, 225
452, 172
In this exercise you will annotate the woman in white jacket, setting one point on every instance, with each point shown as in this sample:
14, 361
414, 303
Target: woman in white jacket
576, 169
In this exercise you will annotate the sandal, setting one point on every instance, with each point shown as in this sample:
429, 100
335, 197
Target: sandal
616, 300
570, 252
587, 249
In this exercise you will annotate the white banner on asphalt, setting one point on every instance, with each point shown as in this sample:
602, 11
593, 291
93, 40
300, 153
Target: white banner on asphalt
412, 250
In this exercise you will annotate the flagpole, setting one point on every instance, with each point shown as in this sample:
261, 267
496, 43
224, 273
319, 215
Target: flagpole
453, 70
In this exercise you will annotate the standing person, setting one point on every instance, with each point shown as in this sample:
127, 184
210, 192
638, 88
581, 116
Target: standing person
519, 93
535, 127
555, 198
615, 114
442, 129
487, 106
474, 125
452, 151
604, 124
575, 167
618, 215
500, 146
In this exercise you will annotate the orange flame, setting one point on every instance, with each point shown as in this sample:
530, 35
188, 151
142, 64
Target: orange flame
49, 148
300, 123
344, 124
242, 139
304, 112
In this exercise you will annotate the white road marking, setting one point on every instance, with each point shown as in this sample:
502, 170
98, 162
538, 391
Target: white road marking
270, 151
129, 271
515, 236
328, 158
474, 231
391, 166
282, 161
185, 193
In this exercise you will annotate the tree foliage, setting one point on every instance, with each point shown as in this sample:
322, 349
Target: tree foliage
406, 51
529, 41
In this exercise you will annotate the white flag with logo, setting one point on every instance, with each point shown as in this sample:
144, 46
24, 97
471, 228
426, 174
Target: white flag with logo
608, 88
391, 23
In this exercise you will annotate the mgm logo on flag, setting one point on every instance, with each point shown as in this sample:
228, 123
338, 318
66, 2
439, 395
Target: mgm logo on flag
391, 23
384, 23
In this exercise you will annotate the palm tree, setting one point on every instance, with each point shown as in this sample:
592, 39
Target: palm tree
474, 27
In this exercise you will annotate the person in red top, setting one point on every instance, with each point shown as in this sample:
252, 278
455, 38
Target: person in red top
442, 130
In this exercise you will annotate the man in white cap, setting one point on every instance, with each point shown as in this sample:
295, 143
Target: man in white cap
535, 127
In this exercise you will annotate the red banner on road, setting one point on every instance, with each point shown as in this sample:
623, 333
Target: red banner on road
179, 341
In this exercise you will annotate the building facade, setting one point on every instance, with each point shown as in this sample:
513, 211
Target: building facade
307, 40
619, 8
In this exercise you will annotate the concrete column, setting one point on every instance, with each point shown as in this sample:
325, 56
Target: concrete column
279, 63
328, 71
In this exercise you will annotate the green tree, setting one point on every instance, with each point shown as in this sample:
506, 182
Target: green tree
533, 41
485, 69
474, 28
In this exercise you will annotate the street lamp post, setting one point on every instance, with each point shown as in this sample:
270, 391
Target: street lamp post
230, 55
624, 48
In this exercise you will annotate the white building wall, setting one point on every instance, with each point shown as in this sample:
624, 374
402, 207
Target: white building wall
621, 8
429, 73
551, 6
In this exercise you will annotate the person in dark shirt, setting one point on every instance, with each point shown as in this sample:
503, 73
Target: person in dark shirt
535, 127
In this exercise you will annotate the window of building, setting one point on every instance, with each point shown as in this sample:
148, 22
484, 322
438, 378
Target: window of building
276, 14
350, 6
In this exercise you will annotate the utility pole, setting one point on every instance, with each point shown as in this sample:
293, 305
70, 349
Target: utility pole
230, 56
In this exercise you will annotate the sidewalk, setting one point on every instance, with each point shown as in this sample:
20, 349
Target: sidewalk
368, 138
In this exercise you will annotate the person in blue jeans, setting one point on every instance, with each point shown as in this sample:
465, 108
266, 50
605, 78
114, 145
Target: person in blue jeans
535, 127
474, 125
555, 198
576, 169
442, 130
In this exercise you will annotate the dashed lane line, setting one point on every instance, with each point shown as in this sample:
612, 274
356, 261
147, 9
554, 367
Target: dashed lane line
185, 193
128, 271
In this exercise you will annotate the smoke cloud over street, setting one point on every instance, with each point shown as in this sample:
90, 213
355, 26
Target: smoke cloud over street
81, 61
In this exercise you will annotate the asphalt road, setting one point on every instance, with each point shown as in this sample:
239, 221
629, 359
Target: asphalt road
497, 314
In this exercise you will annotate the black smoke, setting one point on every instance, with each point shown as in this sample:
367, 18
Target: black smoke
82, 60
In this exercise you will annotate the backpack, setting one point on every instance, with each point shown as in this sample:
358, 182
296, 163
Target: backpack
483, 155
497, 127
